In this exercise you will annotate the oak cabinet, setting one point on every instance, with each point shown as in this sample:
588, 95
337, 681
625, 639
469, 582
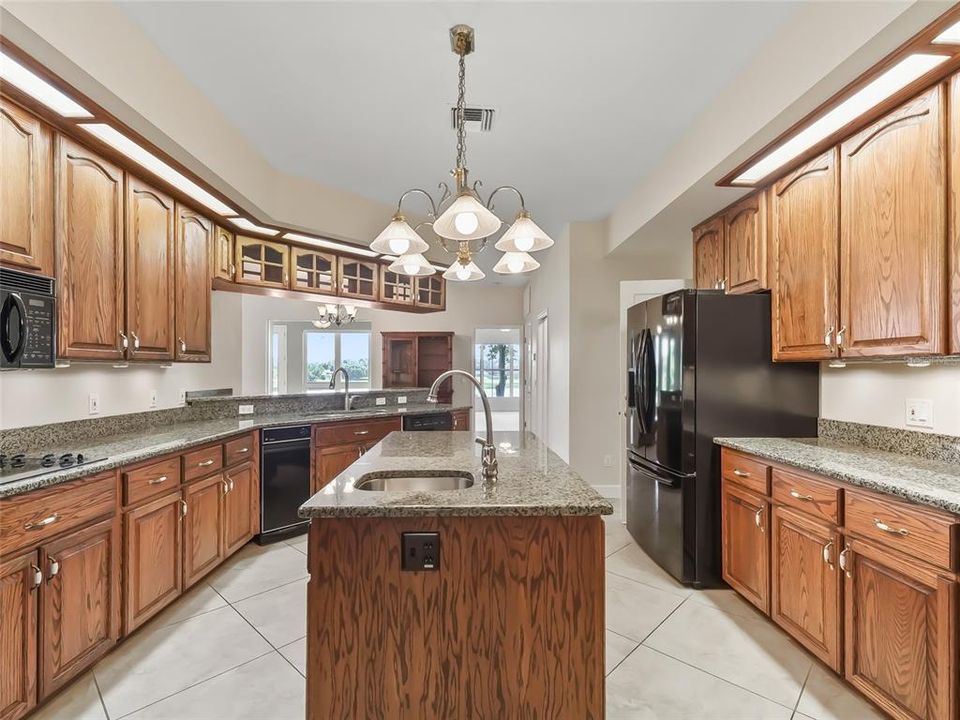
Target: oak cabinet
804, 245
358, 278
396, 288
223, 263
900, 633
431, 292
333, 460
150, 243
745, 544
153, 548
241, 516
460, 419
202, 527
192, 276
313, 271
20, 578
89, 254
805, 586
26, 191
708, 249
892, 233
261, 262
745, 245
79, 603
953, 249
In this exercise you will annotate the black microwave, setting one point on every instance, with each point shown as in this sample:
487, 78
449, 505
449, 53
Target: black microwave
28, 320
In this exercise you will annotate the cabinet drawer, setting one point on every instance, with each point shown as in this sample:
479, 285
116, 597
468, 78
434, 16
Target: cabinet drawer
366, 431
34, 517
202, 462
238, 450
147, 481
916, 532
746, 471
815, 497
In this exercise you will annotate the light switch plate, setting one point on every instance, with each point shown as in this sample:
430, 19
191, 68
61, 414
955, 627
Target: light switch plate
245, 409
381, 401
919, 413
93, 404
402, 400
182, 397
153, 399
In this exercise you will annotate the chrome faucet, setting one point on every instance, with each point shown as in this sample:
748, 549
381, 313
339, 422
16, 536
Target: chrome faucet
346, 385
488, 456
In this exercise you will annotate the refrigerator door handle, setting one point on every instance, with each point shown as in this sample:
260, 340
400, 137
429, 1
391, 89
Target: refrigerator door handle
671, 482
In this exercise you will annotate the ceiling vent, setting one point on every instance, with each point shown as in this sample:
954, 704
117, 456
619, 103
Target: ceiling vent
475, 119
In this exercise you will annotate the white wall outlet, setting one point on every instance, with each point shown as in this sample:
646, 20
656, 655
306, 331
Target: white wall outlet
608, 460
153, 399
919, 412
182, 397
93, 402
245, 409
402, 400
381, 401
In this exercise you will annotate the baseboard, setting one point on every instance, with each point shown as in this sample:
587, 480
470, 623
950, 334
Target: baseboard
611, 492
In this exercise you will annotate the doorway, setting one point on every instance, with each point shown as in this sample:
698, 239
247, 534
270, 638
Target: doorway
540, 371
498, 365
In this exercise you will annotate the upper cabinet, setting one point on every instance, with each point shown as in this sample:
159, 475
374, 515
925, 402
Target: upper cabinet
151, 219
893, 231
313, 271
804, 242
359, 278
708, 254
223, 263
396, 288
194, 238
745, 245
26, 190
431, 292
262, 262
89, 252
953, 143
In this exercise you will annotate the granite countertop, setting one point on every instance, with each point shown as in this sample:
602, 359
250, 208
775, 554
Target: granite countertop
212, 398
134, 447
532, 480
928, 482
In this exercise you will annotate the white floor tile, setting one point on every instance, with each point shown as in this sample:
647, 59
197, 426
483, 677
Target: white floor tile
255, 569
296, 652
160, 661
826, 697
264, 688
632, 562
635, 609
199, 599
80, 701
617, 648
280, 615
752, 653
616, 536
298, 543
648, 685
726, 600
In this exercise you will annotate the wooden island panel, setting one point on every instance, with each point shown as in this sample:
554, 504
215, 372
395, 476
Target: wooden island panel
512, 623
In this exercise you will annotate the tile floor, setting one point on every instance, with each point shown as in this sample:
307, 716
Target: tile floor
234, 649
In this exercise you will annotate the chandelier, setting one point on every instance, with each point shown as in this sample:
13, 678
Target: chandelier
461, 220
338, 315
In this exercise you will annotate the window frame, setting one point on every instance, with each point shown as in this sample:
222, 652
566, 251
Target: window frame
338, 334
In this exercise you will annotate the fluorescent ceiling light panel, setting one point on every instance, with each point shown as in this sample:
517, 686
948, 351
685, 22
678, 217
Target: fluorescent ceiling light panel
329, 244
950, 36
875, 92
36, 87
244, 224
158, 167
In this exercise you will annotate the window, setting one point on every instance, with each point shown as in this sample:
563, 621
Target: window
498, 366
326, 350
277, 377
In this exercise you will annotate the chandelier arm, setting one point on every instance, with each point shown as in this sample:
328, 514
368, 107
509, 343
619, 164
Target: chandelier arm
523, 206
443, 244
482, 246
433, 205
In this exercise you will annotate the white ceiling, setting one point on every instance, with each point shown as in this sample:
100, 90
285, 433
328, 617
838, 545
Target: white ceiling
356, 95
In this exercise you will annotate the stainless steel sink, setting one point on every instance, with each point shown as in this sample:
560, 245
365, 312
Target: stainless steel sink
413, 480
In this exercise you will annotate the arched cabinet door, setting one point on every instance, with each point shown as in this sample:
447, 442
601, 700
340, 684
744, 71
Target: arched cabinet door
708, 254
745, 245
194, 250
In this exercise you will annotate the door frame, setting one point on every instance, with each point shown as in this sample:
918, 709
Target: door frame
540, 378
475, 397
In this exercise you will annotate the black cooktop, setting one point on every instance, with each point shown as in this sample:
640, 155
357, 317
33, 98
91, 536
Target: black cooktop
20, 466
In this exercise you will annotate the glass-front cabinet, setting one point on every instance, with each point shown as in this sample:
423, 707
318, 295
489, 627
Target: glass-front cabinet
313, 271
359, 278
396, 288
261, 262
431, 292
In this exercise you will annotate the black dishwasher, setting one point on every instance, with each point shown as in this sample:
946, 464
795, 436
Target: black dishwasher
284, 481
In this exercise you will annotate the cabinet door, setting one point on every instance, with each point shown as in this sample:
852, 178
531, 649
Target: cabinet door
804, 244
745, 547
19, 580
192, 311
202, 528
892, 233
80, 602
708, 254
953, 249
149, 277
805, 585
333, 460
26, 190
396, 288
359, 278
431, 292
313, 271
261, 262
89, 240
152, 552
241, 511
460, 419
223, 266
900, 633
745, 250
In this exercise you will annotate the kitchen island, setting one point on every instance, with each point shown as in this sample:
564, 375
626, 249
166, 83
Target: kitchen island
503, 618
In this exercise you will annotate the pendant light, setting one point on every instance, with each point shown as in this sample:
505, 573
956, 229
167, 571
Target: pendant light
415, 265
524, 236
398, 238
515, 263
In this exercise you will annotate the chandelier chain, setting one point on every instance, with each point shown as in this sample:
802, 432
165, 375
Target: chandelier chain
461, 114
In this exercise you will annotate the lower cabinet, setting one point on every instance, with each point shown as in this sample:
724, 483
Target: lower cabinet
331, 461
460, 419
20, 580
805, 584
241, 507
901, 633
202, 527
746, 550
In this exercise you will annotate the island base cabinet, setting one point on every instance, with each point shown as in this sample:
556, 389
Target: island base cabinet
745, 544
901, 627
20, 579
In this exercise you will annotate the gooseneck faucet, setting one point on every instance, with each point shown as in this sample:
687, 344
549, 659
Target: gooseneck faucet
346, 385
488, 456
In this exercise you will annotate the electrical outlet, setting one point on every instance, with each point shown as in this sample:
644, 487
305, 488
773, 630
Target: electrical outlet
421, 551
93, 401
381, 401
182, 397
402, 400
245, 409
608, 460
919, 412
153, 399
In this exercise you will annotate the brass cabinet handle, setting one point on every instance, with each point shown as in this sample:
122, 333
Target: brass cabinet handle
42, 523
205, 463
844, 562
123, 341
758, 519
243, 450
361, 432
840, 334
183, 508
136, 341
798, 496
741, 473
903, 532
226, 487
828, 338
157, 481
230, 480
54, 568
826, 552
233, 270
37, 576
183, 345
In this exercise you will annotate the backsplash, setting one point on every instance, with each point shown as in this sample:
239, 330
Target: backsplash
906, 442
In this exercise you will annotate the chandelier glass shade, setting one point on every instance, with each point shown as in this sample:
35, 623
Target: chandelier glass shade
462, 221
335, 315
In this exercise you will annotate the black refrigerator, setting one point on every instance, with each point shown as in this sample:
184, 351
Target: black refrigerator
699, 367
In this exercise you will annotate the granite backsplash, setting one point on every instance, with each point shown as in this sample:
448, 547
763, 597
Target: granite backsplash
929, 446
